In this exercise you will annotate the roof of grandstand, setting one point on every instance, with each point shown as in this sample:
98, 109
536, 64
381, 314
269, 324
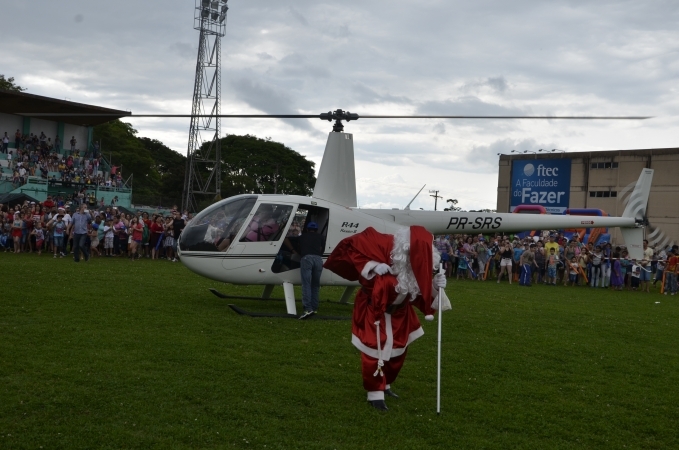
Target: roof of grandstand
30, 105
14, 199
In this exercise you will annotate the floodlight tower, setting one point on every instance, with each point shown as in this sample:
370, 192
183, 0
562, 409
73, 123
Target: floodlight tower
203, 157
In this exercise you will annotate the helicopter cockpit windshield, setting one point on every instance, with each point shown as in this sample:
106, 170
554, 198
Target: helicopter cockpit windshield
213, 229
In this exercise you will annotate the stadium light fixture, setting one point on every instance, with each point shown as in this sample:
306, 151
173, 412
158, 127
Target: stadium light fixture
557, 150
529, 151
515, 151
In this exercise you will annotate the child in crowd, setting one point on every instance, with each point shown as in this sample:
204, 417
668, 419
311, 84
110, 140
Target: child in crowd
169, 241
625, 268
552, 261
17, 227
39, 235
108, 238
574, 268
617, 279
582, 266
636, 273
92, 232
58, 228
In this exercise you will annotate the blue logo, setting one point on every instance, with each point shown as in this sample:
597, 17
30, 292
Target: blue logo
544, 182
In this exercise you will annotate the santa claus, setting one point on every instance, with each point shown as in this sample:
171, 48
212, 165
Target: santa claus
395, 273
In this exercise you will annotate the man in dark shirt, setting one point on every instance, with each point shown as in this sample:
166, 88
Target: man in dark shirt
309, 246
178, 225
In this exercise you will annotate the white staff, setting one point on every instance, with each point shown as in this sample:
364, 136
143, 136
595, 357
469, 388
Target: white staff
438, 371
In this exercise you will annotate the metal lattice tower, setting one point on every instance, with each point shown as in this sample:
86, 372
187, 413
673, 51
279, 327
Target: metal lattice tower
203, 156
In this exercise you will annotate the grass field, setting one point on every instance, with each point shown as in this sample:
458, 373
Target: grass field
114, 354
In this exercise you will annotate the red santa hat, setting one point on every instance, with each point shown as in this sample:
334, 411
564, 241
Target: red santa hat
421, 260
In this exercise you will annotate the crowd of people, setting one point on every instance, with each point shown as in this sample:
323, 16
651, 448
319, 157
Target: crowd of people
85, 226
552, 259
37, 156
60, 229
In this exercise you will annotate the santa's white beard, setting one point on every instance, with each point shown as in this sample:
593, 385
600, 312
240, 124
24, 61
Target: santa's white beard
400, 264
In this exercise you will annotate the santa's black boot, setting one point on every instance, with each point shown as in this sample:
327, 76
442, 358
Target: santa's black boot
376, 400
391, 393
378, 404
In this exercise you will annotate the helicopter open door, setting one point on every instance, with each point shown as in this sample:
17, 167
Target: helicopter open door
285, 260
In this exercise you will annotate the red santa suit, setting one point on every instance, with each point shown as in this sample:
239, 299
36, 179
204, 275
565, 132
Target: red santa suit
384, 320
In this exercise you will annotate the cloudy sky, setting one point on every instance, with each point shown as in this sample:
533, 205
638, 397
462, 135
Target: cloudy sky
378, 57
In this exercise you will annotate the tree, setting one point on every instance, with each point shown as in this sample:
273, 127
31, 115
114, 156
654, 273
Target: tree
119, 142
170, 166
254, 165
9, 85
452, 206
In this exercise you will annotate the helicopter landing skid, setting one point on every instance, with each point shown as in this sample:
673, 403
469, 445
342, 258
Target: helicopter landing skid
243, 312
244, 297
338, 303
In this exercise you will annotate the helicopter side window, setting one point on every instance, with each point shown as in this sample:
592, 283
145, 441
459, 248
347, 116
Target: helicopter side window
214, 228
267, 224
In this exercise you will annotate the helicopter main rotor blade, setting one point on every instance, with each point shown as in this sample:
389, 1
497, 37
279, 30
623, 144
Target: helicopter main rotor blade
317, 116
514, 117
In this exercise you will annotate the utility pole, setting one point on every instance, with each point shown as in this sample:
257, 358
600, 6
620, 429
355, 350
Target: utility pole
436, 197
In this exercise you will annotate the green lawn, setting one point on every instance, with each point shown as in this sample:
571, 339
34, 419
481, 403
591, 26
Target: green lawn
115, 354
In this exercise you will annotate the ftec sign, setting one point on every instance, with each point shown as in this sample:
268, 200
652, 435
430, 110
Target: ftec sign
543, 182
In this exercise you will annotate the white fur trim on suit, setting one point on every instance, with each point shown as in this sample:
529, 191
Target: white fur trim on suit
375, 395
390, 352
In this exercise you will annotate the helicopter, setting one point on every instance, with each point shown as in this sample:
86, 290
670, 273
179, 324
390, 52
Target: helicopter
221, 242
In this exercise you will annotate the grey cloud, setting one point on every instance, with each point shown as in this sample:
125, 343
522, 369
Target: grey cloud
343, 31
484, 158
297, 65
298, 16
467, 106
184, 50
264, 56
268, 100
496, 84
78, 18
364, 94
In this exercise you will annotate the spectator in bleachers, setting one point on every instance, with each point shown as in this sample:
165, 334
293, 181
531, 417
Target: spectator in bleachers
5, 143
73, 143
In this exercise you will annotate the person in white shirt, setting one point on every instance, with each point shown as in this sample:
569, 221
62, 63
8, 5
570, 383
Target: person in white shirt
108, 238
645, 275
